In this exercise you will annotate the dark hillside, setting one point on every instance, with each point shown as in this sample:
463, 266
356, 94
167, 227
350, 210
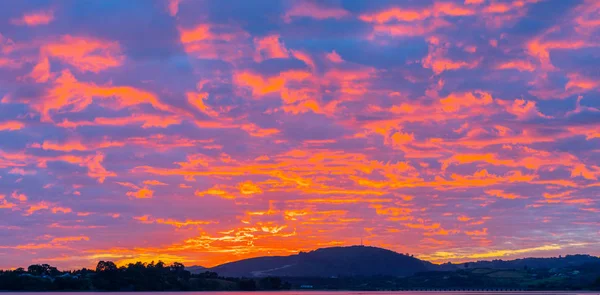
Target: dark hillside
328, 262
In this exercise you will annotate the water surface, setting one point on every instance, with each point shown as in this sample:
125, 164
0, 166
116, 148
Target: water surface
325, 293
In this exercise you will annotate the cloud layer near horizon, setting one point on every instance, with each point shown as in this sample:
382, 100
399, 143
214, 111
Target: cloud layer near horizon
209, 131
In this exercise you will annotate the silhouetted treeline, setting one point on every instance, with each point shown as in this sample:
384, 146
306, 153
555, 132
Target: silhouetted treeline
580, 277
133, 277
174, 277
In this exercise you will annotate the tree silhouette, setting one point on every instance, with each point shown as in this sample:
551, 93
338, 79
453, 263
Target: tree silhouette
106, 266
42, 270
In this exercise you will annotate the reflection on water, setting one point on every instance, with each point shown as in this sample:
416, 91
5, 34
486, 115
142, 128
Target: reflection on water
320, 293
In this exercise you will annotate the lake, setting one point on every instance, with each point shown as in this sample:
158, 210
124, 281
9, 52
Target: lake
324, 293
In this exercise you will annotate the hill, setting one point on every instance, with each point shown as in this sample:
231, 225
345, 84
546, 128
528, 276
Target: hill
372, 261
328, 262
549, 263
195, 269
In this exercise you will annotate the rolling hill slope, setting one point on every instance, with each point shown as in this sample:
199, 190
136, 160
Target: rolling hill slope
328, 262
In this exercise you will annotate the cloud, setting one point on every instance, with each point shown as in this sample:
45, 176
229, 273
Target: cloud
172, 222
519, 65
11, 125
502, 194
313, 9
154, 182
334, 57
211, 41
142, 193
173, 7
63, 147
269, 47
144, 120
69, 94
84, 53
249, 188
36, 18
70, 239
438, 62
22, 172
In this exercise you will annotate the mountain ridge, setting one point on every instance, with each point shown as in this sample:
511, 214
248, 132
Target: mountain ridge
327, 262
370, 261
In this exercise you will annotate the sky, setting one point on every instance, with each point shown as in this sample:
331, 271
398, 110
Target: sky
205, 132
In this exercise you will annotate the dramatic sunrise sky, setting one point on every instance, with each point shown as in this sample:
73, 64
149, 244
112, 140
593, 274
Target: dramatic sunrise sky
210, 131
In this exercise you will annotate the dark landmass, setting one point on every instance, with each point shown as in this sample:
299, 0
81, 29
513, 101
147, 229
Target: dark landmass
555, 262
133, 277
196, 269
327, 262
338, 268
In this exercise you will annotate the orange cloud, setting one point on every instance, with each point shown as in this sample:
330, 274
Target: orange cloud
209, 41
585, 172
558, 197
437, 61
11, 126
85, 54
422, 226
398, 14
314, 10
155, 141
146, 121
61, 240
522, 109
35, 18
482, 178
254, 130
451, 9
439, 65
396, 212
249, 188
93, 163
577, 81
9, 63
269, 47
197, 100
20, 197
199, 33
305, 57
457, 101
154, 182
63, 147
496, 7
464, 218
68, 94
334, 57
519, 65
258, 84
142, 193
408, 30
502, 194
173, 7
215, 191
175, 223
63, 210
4, 204
482, 232
541, 49
95, 168
41, 71
413, 15
37, 207
264, 85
